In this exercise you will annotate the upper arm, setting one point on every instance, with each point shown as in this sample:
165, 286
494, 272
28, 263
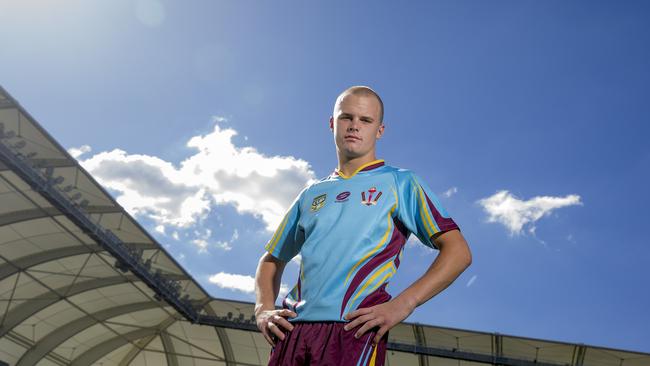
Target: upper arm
453, 240
269, 258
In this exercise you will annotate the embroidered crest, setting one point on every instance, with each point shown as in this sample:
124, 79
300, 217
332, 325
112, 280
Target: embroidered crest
342, 197
318, 202
370, 201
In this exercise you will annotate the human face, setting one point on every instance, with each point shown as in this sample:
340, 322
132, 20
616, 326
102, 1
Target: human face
356, 127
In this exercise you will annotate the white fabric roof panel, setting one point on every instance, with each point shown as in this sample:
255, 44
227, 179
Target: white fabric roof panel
63, 300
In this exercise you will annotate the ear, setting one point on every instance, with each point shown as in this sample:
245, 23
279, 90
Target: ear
380, 131
332, 124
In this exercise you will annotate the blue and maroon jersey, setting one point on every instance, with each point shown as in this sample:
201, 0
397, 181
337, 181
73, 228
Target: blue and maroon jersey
350, 232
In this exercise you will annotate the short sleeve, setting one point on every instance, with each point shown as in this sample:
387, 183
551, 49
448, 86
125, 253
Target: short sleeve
420, 210
287, 239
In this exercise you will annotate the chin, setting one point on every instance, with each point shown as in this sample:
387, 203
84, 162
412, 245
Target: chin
353, 154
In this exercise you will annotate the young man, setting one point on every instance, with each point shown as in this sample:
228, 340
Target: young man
350, 229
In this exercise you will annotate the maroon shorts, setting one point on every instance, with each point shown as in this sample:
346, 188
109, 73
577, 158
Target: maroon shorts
327, 343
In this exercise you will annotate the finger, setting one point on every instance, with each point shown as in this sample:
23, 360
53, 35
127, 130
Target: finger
289, 313
275, 330
267, 337
284, 323
379, 335
358, 312
367, 326
358, 321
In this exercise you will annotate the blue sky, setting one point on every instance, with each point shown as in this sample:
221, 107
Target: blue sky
546, 101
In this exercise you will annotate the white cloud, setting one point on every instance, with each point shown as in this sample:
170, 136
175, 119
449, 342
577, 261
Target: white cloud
227, 245
514, 213
471, 281
76, 152
202, 244
297, 259
218, 173
450, 192
223, 245
413, 242
160, 229
241, 283
202, 241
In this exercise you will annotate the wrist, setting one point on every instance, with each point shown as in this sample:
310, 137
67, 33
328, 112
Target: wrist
259, 308
407, 302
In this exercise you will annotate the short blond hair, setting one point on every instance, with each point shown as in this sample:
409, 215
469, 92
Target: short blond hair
365, 91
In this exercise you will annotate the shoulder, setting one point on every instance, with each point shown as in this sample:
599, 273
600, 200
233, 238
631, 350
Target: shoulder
317, 184
401, 175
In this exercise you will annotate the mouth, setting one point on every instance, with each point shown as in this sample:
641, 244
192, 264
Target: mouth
351, 138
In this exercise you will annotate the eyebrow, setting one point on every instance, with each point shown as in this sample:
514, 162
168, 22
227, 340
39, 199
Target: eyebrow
366, 118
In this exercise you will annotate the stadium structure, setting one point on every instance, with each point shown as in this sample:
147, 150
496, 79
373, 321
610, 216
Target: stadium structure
83, 283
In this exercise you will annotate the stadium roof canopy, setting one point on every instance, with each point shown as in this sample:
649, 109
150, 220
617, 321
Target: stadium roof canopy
81, 283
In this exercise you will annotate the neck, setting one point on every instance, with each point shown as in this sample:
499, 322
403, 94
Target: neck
349, 166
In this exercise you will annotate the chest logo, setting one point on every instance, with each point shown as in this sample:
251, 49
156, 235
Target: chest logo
318, 202
370, 201
343, 196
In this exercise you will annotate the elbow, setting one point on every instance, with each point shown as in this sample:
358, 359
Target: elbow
466, 256
468, 259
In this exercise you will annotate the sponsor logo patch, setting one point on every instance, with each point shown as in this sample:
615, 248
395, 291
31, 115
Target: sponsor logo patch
370, 201
318, 202
342, 197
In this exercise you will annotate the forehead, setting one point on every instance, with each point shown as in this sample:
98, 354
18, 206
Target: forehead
358, 104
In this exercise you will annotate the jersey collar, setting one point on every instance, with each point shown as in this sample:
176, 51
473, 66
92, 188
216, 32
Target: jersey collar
365, 167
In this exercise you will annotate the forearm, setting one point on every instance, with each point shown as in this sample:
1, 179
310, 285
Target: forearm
267, 282
453, 259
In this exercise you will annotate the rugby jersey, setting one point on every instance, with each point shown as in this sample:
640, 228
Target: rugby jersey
350, 232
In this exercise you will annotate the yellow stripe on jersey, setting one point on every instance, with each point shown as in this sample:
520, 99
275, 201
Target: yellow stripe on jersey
396, 199
376, 248
388, 266
382, 280
278, 234
374, 356
340, 173
424, 212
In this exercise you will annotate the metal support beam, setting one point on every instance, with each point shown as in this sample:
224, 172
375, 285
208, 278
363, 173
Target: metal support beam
22, 312
579, 353
228, 353
497, 345
23, 263
140, 345
420, 340
37, 213
170, 353
464, 356
90, 356
48, 343
223, 337
94, 354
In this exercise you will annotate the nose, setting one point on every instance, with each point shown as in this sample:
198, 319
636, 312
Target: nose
354, 125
